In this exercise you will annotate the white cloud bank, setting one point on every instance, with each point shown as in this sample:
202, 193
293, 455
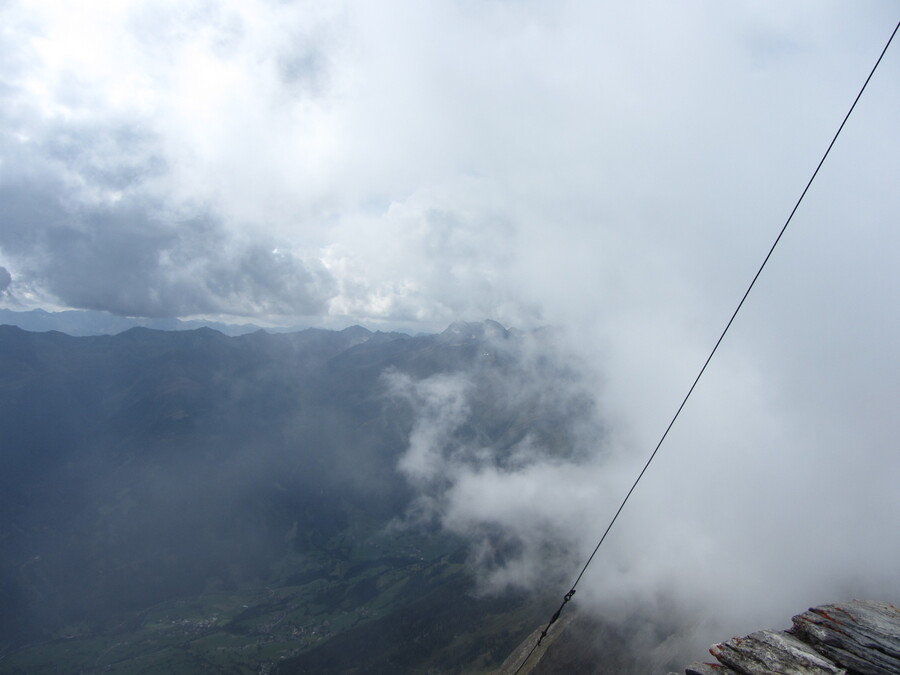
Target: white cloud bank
756, 507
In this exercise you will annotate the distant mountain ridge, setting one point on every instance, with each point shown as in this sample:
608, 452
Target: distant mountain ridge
82, 322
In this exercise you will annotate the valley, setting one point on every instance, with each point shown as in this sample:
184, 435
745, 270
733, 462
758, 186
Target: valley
190, 502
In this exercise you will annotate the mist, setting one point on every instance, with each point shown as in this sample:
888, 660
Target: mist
746, 517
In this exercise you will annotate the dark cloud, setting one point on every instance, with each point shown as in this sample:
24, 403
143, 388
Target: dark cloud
5, 279
269, 282
106, 156
138, 257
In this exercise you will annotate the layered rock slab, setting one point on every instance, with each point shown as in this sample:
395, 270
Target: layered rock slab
856, 638
863, 637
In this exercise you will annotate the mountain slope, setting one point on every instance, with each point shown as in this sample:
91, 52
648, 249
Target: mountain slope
215, 495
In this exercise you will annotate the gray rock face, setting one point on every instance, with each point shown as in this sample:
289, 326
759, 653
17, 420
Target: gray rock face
707, 669
863, 637
856, 638
768, 651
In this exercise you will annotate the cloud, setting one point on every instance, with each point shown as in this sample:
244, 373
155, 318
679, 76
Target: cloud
486, 159
748, 513
439, 255
137, 256
108, 195
497, 451
5, 279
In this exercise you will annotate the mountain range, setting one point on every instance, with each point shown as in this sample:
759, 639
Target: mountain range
193, 502
81, 322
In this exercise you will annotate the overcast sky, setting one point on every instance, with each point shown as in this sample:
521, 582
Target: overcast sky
617, 169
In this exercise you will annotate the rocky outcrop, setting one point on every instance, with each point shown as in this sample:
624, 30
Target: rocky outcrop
852, 638
849, 638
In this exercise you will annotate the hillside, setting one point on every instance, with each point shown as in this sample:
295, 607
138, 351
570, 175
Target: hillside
191, 501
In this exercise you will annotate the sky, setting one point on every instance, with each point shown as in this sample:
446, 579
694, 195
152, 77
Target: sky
615, 169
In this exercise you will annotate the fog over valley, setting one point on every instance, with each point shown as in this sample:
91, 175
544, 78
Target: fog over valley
333, 334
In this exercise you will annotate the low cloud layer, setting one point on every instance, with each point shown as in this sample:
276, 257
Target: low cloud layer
747, 515
509, 488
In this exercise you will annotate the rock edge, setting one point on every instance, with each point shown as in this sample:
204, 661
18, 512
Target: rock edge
850, 638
